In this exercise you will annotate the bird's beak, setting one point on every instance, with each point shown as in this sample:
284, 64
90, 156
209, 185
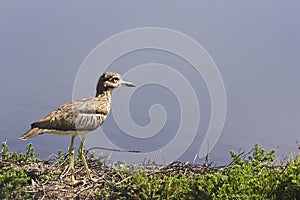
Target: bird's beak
125, 83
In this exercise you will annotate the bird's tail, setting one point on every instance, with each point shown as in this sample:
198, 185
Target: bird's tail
31, 133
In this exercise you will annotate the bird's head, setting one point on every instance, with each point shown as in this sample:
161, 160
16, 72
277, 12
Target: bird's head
111, 80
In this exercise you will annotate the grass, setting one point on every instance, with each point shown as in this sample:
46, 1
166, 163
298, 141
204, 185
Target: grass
253, 175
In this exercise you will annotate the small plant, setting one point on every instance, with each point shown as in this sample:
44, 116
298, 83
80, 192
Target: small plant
12, 177
255, 175
61, 158
289, 186
252, 177
11, 181
8, 156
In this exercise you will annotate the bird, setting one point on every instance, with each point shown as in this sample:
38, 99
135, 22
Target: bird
80, 117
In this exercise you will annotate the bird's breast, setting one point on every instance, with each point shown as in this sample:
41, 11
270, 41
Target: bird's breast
89, 121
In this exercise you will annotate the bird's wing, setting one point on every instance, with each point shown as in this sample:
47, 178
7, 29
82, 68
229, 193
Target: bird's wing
85, 114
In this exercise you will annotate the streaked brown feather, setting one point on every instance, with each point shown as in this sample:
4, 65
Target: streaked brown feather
74, 116
80, 117
84, 115
67, 116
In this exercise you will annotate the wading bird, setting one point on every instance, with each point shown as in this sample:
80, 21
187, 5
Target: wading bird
80, 117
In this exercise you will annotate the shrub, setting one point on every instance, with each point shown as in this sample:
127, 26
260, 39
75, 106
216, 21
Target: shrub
255, 175
12, 177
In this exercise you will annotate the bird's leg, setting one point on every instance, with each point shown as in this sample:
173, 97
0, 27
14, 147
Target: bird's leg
71, 154
80, 151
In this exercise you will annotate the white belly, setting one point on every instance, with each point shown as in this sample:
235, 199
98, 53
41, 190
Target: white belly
71, 133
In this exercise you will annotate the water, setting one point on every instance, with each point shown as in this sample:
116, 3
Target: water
40, 55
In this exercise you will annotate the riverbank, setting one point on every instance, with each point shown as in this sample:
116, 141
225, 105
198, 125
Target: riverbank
250, 175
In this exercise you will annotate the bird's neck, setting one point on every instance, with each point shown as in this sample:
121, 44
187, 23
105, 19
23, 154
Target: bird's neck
104, 93
104, 100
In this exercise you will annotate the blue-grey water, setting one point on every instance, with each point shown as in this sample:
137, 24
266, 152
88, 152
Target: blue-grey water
255, 45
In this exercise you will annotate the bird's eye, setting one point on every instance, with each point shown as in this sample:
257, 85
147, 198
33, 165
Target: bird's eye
115, 79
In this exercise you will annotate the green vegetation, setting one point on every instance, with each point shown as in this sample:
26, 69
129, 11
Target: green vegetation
12, 177
255, 175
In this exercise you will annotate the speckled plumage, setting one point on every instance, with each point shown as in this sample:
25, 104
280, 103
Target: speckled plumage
80, 117
84, 115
